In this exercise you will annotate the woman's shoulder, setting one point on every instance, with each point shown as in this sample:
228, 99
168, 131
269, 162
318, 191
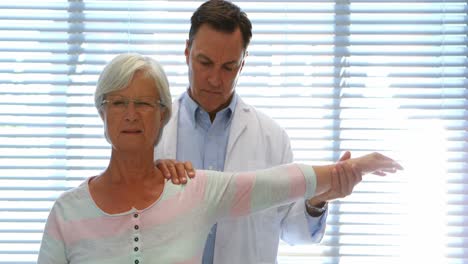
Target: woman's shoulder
78, 192
76, 199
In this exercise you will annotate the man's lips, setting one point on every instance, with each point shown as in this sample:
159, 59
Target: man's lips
212, 92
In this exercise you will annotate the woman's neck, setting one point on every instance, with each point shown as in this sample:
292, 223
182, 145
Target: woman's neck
130, 181
130, 168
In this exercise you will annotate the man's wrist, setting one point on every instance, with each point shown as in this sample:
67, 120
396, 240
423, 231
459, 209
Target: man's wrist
316, 210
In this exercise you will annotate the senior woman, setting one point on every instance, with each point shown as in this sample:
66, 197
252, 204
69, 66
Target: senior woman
127, 214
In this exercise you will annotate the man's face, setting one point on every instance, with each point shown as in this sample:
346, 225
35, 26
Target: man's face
215, 61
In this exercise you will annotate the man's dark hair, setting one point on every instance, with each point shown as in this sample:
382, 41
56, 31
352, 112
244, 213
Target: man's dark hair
223, 16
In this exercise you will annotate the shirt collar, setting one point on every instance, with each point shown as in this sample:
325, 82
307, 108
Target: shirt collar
193, 108
232, 108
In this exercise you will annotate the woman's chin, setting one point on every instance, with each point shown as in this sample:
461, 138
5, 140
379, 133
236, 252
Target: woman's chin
132, 148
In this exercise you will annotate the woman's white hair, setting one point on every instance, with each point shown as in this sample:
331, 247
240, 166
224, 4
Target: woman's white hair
119, 72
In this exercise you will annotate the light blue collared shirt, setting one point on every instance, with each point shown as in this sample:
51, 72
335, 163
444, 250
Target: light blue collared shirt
200, 141
204, 143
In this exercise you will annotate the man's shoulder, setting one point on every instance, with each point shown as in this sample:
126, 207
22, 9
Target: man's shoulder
258, 115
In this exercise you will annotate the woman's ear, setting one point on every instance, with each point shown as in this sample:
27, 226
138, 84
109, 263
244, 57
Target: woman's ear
162, 115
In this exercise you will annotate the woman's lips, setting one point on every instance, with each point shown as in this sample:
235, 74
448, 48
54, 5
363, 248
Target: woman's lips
132, 131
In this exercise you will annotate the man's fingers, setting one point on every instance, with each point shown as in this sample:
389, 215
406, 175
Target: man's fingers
345, 156
162, 166
340, 181
165, 171
331, 194
173, 172
180, 172
189, 169
351, 177
344, 180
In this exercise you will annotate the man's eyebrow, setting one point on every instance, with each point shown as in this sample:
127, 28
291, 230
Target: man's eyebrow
204, 57
232, 62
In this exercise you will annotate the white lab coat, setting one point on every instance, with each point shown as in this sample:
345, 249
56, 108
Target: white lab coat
255, 142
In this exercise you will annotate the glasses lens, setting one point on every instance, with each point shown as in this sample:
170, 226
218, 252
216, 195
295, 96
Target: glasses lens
144, 103
120, 103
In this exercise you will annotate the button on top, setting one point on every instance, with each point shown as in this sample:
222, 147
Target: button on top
135, 215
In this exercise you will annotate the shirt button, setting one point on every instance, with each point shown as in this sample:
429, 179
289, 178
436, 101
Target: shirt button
136, 239
136, 227
135, 249
135, 215
136, 261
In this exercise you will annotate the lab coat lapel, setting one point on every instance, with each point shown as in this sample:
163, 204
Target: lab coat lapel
238, 127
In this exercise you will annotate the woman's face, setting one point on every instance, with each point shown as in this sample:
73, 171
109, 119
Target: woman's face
133, 116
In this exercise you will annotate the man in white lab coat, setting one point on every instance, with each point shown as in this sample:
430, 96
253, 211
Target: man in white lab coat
215, 129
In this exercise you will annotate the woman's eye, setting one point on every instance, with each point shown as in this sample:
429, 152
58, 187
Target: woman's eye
118, 103
144, 104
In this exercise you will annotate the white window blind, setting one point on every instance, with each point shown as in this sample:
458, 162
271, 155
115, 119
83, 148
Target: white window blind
344, 75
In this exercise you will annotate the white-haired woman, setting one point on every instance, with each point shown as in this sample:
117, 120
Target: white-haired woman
131, 214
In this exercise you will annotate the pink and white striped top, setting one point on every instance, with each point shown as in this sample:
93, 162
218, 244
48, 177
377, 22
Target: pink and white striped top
175, 227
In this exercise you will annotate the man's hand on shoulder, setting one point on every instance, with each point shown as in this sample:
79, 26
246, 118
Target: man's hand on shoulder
175, 170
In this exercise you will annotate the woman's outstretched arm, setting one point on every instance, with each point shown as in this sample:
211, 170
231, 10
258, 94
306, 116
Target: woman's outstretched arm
237, 194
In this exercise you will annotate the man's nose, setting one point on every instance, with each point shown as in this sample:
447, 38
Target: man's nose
215, 78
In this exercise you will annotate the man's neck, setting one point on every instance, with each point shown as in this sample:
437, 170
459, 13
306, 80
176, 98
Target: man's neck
213, 113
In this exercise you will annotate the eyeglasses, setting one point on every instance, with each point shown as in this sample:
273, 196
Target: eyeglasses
142, 104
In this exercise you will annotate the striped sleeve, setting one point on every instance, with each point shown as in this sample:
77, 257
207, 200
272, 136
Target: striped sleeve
244, 193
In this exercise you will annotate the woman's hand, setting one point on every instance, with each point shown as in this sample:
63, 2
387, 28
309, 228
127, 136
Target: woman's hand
336, 179
375, 163
175, 170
